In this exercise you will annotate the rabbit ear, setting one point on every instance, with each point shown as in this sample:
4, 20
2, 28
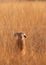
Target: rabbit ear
25, 35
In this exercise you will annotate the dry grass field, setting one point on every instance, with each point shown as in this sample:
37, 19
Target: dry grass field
27, 17
20, 0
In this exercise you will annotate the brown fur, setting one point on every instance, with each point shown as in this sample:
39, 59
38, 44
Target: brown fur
20, 41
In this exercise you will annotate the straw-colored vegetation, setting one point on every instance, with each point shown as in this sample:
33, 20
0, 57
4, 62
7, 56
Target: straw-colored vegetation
27, 17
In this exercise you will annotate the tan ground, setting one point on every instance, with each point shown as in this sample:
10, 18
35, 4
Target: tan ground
30, 18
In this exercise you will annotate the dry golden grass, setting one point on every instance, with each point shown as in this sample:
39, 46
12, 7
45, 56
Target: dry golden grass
30, 18
7, 1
